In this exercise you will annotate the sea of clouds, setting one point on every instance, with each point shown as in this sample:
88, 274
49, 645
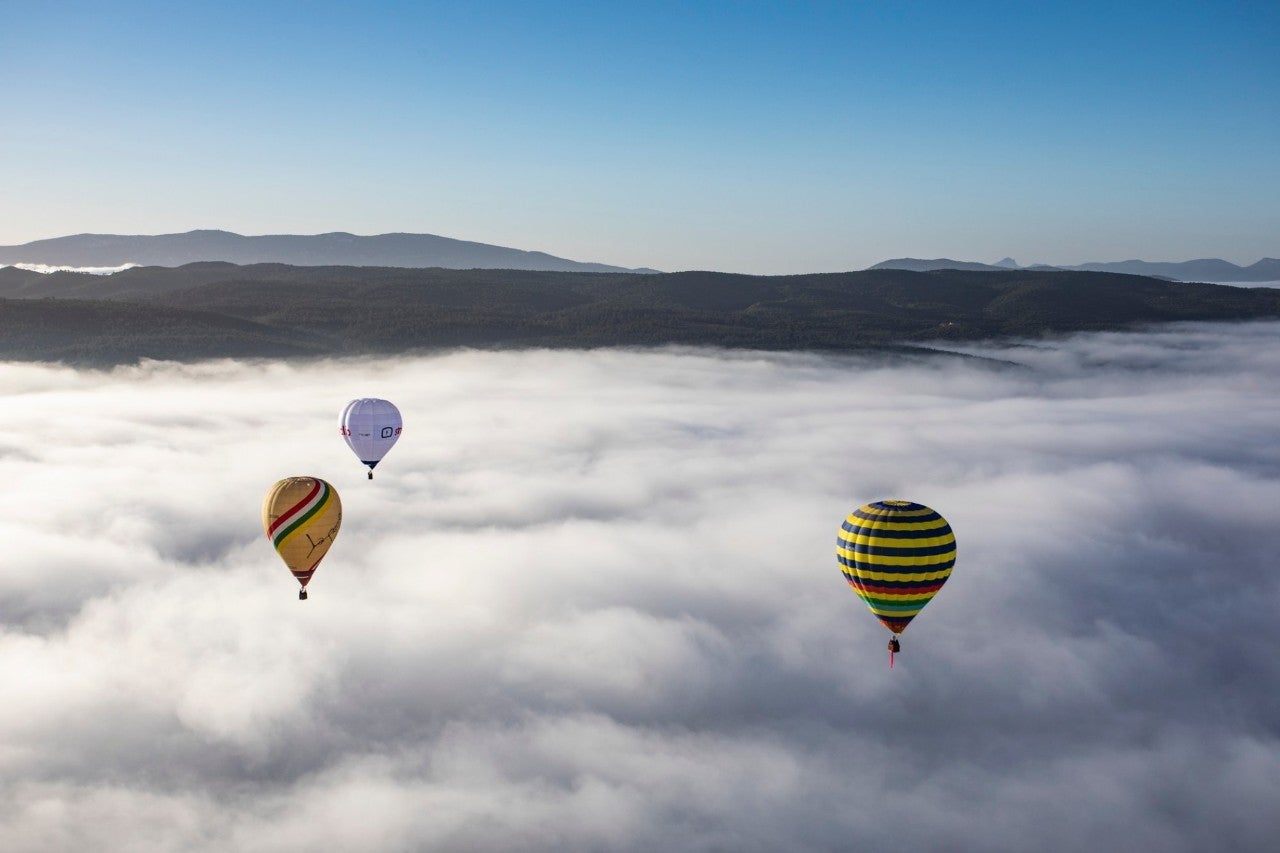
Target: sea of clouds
590, 602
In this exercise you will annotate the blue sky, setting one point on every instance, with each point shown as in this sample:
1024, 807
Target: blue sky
752, 137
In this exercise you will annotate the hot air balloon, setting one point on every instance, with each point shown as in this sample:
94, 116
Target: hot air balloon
896, 555
370, 427
301, 516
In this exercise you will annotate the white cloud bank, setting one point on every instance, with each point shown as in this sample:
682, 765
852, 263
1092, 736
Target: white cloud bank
590, 602
51, 268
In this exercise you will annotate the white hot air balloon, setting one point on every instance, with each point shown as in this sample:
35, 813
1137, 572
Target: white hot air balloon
370, 427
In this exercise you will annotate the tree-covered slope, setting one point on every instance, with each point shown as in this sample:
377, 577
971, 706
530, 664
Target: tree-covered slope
204, 310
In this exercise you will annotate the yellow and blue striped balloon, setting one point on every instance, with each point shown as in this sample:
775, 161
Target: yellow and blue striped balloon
896, 555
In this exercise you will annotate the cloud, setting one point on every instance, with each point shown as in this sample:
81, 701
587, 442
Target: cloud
590, 602
48, 268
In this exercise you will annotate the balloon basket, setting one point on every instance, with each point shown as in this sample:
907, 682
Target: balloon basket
302, 595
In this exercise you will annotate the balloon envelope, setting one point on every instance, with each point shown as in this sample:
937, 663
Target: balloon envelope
370, 427
301, 516
896, 555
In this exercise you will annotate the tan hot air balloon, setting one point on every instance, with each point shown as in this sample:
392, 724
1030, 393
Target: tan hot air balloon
301, 516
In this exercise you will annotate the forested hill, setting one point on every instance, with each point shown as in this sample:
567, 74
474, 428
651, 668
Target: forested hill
272, 310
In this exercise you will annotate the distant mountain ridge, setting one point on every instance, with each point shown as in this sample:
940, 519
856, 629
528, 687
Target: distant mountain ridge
1201, 269
336, 248
422, 251
922, 265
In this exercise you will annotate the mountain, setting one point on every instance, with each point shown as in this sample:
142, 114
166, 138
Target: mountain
213, 310
334, 249
919, 265
1267, 269
1203, 269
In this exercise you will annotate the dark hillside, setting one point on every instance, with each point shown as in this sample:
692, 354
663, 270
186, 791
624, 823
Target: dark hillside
100, 333
204, 310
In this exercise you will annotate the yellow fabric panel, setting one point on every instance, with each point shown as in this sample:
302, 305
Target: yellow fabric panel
886, 542
876, 524
913, 596
876, 559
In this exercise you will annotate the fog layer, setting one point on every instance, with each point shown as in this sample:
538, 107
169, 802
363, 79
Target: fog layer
590, 602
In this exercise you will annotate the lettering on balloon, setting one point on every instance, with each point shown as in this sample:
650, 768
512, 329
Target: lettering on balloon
327, 537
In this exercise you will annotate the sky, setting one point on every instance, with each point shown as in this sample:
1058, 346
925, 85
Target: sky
591, 601
739, 136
